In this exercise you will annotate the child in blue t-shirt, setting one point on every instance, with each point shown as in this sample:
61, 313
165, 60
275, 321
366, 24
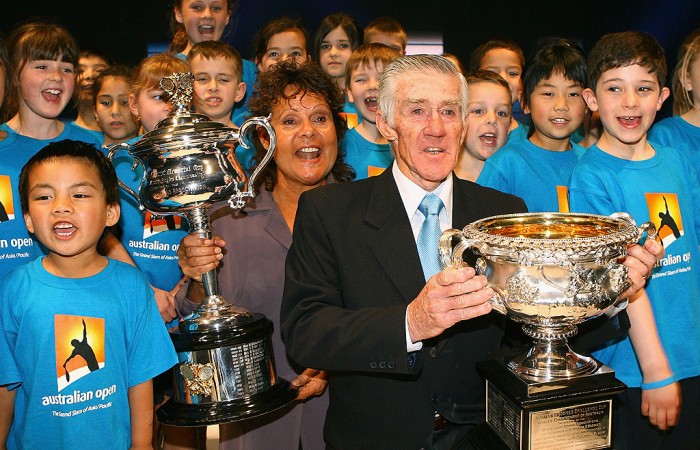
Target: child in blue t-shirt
506, 58
625, 172
44, 57
364, 148
538, 168
78, 331
682, 131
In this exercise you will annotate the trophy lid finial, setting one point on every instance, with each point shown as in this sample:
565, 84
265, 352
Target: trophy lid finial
179, 87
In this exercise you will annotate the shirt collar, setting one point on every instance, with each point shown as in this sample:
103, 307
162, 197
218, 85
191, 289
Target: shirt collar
412, 194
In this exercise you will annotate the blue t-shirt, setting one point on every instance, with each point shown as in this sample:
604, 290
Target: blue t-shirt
367, 158
151, 242
665, 190
538, 176
17, 245
72, 347
677, 133
352, 115
97, 135
519, 133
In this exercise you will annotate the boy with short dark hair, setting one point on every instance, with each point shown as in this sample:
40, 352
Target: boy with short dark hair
538, 169
388, 31
364, 147
218, 69
625, 172
80, 334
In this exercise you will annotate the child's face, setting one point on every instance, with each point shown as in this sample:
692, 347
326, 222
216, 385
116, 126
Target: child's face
334, 53
46, 87
390, 40
67, 207
506, 63
627, 99
557, 110
151, 106
112, 111
89, 68
204, 20
281, 46
488, 119
363, 90
216, 87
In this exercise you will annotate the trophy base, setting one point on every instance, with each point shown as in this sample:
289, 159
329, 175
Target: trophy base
185, 415
224, 375
522, 414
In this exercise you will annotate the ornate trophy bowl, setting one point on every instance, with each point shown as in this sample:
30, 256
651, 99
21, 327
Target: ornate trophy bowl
550, 272
226, 367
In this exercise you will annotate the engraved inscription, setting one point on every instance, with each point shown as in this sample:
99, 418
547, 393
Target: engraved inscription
252, 372
579, 427
503, 416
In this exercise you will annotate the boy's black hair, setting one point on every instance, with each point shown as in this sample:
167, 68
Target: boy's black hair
623, 49
557, 55
77, 150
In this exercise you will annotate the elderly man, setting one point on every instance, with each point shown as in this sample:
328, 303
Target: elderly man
363, 301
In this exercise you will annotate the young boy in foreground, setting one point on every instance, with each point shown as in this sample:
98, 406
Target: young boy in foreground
625, 172
80, 334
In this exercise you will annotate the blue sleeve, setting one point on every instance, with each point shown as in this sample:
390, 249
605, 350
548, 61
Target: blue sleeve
151, 351
588, 192
9, 373
492, 176
661, 134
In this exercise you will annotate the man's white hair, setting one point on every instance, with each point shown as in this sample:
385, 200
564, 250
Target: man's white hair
421, 64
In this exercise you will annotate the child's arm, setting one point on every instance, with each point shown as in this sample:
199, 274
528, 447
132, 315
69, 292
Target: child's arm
112, 247
7, 412
141, 408
661, 404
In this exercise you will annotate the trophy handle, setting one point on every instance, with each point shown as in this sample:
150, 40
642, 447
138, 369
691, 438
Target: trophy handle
647, 227
113, 149
237, 200
452, 257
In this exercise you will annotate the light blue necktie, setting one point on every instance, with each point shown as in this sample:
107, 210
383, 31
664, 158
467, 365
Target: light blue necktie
429, 235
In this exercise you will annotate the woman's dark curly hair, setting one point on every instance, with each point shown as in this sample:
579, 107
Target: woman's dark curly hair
307, 78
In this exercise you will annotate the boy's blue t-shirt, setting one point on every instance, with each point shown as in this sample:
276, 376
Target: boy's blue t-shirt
519, 133
676, 132
665, 190
109, 323
365, 157
152, 242
17, 245
538, 176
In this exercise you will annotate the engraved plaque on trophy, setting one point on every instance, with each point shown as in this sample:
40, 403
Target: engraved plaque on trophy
550, 272
226, 367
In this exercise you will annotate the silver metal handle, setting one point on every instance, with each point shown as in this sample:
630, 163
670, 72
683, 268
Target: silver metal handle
237, 200
113, 149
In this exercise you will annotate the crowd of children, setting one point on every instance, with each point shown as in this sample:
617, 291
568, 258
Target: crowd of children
560, 131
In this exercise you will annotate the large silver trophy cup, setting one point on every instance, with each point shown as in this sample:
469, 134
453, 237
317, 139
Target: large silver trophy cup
550, 272
226, 367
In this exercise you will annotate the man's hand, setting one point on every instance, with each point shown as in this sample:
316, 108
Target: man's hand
640, 262
448, 297
198, 255
311, 382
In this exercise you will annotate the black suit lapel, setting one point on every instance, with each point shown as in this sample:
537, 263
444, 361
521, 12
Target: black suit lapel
393, 244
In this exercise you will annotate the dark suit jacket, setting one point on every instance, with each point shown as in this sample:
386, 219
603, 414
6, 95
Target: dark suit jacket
351, 271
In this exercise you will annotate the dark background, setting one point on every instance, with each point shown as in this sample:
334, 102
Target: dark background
124, 28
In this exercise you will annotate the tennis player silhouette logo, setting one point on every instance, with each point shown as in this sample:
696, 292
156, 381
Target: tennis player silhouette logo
665, 212
79, 347
7, 210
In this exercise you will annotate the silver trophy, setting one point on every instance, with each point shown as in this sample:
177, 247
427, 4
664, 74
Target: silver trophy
226, 367
550, 272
